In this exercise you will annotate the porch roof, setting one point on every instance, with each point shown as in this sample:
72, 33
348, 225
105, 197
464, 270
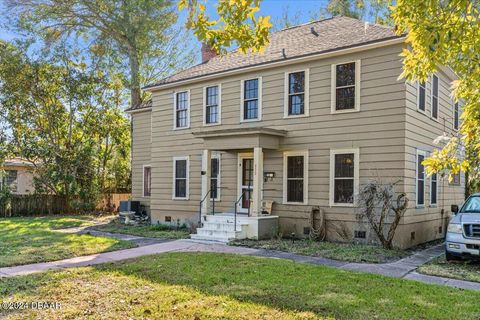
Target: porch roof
242, 138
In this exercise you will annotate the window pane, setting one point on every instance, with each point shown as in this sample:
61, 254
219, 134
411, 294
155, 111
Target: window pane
296, 104
295, 167
420, 192
247, 176
181, 169
421, 98
182, 118
147, 181
433, 199
11, 179
345, 98
250, 110
212, 114
180, 188
344, 165
435, 97
296, 82
212, 96
182, 100
420, 167
345, 74
251, 89
295, 190
343, 191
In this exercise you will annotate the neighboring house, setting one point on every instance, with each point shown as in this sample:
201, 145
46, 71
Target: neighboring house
304, 124
18, 176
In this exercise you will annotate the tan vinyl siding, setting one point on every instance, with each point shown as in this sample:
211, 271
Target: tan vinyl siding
141, 150
378, 130
387, 131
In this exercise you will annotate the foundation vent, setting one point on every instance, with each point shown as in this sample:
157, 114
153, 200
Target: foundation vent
360, 234
168, 219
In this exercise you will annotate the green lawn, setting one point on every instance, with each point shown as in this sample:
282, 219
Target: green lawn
31, 240
149, 231
221, 286
462, 270
338, 251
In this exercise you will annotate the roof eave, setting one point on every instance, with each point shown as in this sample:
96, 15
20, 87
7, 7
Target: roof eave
270, 64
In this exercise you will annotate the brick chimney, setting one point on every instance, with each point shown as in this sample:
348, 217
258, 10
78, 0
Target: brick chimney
207, 53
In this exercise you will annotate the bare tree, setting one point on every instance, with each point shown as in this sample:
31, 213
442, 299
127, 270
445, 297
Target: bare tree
379, 203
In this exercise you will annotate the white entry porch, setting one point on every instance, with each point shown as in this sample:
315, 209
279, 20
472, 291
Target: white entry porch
250, 215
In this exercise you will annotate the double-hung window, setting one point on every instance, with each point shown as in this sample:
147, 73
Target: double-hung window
434, 97
295, 180
346, 87
212, 105
420, 178
251, 99
433, 189
344, 171
296, 93
180, 178
215, 178
10, 180
421, 96
456, 116
182, 110
147, 181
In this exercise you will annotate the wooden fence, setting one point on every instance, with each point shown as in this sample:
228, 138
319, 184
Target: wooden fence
41, 204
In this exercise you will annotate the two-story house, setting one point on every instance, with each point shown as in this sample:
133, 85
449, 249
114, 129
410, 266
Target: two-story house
301, 125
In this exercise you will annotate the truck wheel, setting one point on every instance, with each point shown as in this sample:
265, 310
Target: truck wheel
449, 256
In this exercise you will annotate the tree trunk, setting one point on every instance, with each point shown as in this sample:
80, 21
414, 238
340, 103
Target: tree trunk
135, 91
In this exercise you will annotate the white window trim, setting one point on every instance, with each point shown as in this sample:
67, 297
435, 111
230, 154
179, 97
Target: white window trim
242, 100
431, 98
431, 182
424, 154
187, 183
418, 98
205, 124
453, 116
143, 180
219, 181
287, 154
358, 66
356, 176
175, 110
306, 95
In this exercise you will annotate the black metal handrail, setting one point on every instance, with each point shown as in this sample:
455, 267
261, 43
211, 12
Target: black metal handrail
201, 203
236, 205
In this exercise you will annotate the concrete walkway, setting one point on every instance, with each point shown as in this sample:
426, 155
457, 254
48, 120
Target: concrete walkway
404, 268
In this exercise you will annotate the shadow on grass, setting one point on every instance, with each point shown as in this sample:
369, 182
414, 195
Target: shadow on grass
191, 278
33, 240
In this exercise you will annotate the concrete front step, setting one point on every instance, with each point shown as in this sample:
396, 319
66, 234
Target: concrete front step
220, 233
221, 226
208, 238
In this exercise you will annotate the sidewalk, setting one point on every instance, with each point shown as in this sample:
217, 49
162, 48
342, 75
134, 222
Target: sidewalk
404, 268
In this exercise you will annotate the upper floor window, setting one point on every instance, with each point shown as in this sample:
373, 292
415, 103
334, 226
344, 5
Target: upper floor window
420, 178
295, 181
296, 94
421, 96
180, 177
343, 176
215, 178
182, 110
434, 97
455, 179
212, 105
251, 99
456, 116
346, 87
147, 181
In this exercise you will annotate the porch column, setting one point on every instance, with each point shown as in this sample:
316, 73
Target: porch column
206, 174
256, 208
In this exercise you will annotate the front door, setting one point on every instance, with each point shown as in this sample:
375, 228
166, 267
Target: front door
245, 181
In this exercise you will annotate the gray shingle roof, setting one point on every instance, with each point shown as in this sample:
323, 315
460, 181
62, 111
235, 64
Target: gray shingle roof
331, 34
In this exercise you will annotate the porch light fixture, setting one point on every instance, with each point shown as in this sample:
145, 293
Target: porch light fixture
268, 176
